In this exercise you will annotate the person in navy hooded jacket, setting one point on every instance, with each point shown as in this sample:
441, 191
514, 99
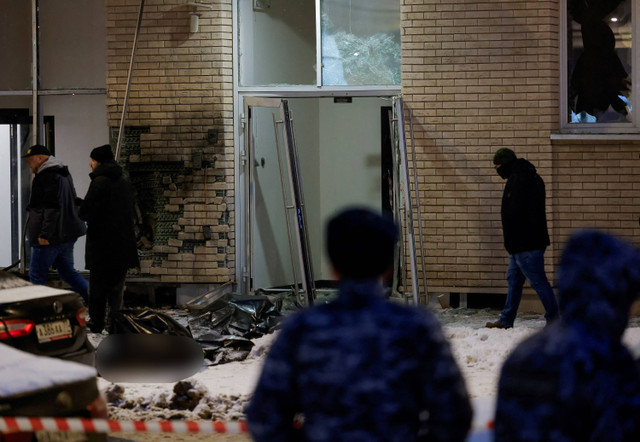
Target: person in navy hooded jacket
575, 380
360, 367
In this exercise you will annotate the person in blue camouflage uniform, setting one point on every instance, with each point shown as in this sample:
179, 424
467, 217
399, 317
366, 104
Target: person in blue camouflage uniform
360, 368
575, 380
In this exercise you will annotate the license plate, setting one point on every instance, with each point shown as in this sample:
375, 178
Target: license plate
52, 331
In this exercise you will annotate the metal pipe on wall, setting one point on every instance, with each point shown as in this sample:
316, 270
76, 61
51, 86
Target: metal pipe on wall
35, 76
126, 95
35, 108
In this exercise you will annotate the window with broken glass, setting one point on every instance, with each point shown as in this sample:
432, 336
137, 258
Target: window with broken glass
600, 60
322, 43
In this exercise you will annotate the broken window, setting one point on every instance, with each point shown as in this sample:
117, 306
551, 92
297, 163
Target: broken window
599, 86
360, 42
282, 42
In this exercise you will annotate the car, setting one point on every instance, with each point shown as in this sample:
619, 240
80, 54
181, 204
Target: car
43, 320
40, 386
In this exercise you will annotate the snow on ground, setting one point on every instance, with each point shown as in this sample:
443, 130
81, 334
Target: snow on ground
220, 392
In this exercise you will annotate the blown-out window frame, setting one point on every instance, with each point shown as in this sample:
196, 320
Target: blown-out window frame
567, 127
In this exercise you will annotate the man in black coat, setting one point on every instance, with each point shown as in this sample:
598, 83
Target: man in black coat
524, 227
111, 248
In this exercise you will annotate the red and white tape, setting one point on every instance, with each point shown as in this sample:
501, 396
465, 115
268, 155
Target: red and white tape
61, 424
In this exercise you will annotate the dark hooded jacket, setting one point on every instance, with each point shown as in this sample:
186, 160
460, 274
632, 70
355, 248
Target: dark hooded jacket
575, 380
108, 209
524, 220
360, 368
53, 214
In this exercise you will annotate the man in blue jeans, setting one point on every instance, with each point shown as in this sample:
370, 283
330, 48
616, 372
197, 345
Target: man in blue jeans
53, 226
524, 226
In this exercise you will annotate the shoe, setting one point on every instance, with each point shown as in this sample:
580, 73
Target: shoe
497, 324
94, 328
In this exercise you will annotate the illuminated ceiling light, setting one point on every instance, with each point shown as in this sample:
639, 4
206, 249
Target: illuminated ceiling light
614, 19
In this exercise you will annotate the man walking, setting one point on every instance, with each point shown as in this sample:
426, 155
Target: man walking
111, 248
53, 225
360, 367
524, 226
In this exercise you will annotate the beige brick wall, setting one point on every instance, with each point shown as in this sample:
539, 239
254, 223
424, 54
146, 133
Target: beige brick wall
597, 185
182, 86
478, 76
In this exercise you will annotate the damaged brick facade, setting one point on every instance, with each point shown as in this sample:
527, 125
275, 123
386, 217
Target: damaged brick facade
477, 75
179, 133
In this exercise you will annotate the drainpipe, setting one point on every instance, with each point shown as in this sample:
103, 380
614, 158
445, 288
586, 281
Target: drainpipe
126, 95
35, 108
35, 75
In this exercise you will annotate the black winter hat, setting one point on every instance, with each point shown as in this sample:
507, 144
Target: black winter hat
361, 243
37, 149
504, 156
102, 154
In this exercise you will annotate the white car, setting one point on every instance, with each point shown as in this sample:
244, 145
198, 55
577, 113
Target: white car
33, 385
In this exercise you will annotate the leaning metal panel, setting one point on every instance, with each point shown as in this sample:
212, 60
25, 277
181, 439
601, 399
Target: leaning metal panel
295, 190
405, 187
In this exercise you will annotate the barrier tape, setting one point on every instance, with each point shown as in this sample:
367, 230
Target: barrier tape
83, 425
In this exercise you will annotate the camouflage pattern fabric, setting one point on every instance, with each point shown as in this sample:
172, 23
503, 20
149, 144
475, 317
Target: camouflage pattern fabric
360, 368
575, 380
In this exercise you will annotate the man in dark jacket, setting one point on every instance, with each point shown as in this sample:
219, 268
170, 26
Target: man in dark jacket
524, 227
575, 380
111, 248
53, 225
360, 367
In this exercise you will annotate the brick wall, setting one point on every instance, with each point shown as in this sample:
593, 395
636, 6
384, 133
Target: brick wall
596, 184
484, 75
181, 91
478, 76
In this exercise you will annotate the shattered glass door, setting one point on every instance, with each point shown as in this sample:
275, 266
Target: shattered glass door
278, 253
269, 240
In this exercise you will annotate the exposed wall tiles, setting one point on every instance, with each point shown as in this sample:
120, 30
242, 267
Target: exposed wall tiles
182, 87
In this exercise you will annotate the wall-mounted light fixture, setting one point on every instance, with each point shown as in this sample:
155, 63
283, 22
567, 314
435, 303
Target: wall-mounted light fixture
194, 22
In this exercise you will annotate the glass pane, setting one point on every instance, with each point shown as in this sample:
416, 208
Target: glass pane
277, 42
360, 42
600, 61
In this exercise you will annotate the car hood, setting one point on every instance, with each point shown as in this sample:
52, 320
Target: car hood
18, 294
22, 373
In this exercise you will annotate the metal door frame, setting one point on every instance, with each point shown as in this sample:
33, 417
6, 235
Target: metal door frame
295, 190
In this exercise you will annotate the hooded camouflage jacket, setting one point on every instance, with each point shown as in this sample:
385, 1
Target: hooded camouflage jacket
360, 368
575, 380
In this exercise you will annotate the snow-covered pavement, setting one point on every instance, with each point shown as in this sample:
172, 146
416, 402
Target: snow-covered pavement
221, 391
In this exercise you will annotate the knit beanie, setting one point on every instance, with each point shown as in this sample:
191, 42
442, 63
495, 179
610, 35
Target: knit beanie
361, 243
102, 154
504, 156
